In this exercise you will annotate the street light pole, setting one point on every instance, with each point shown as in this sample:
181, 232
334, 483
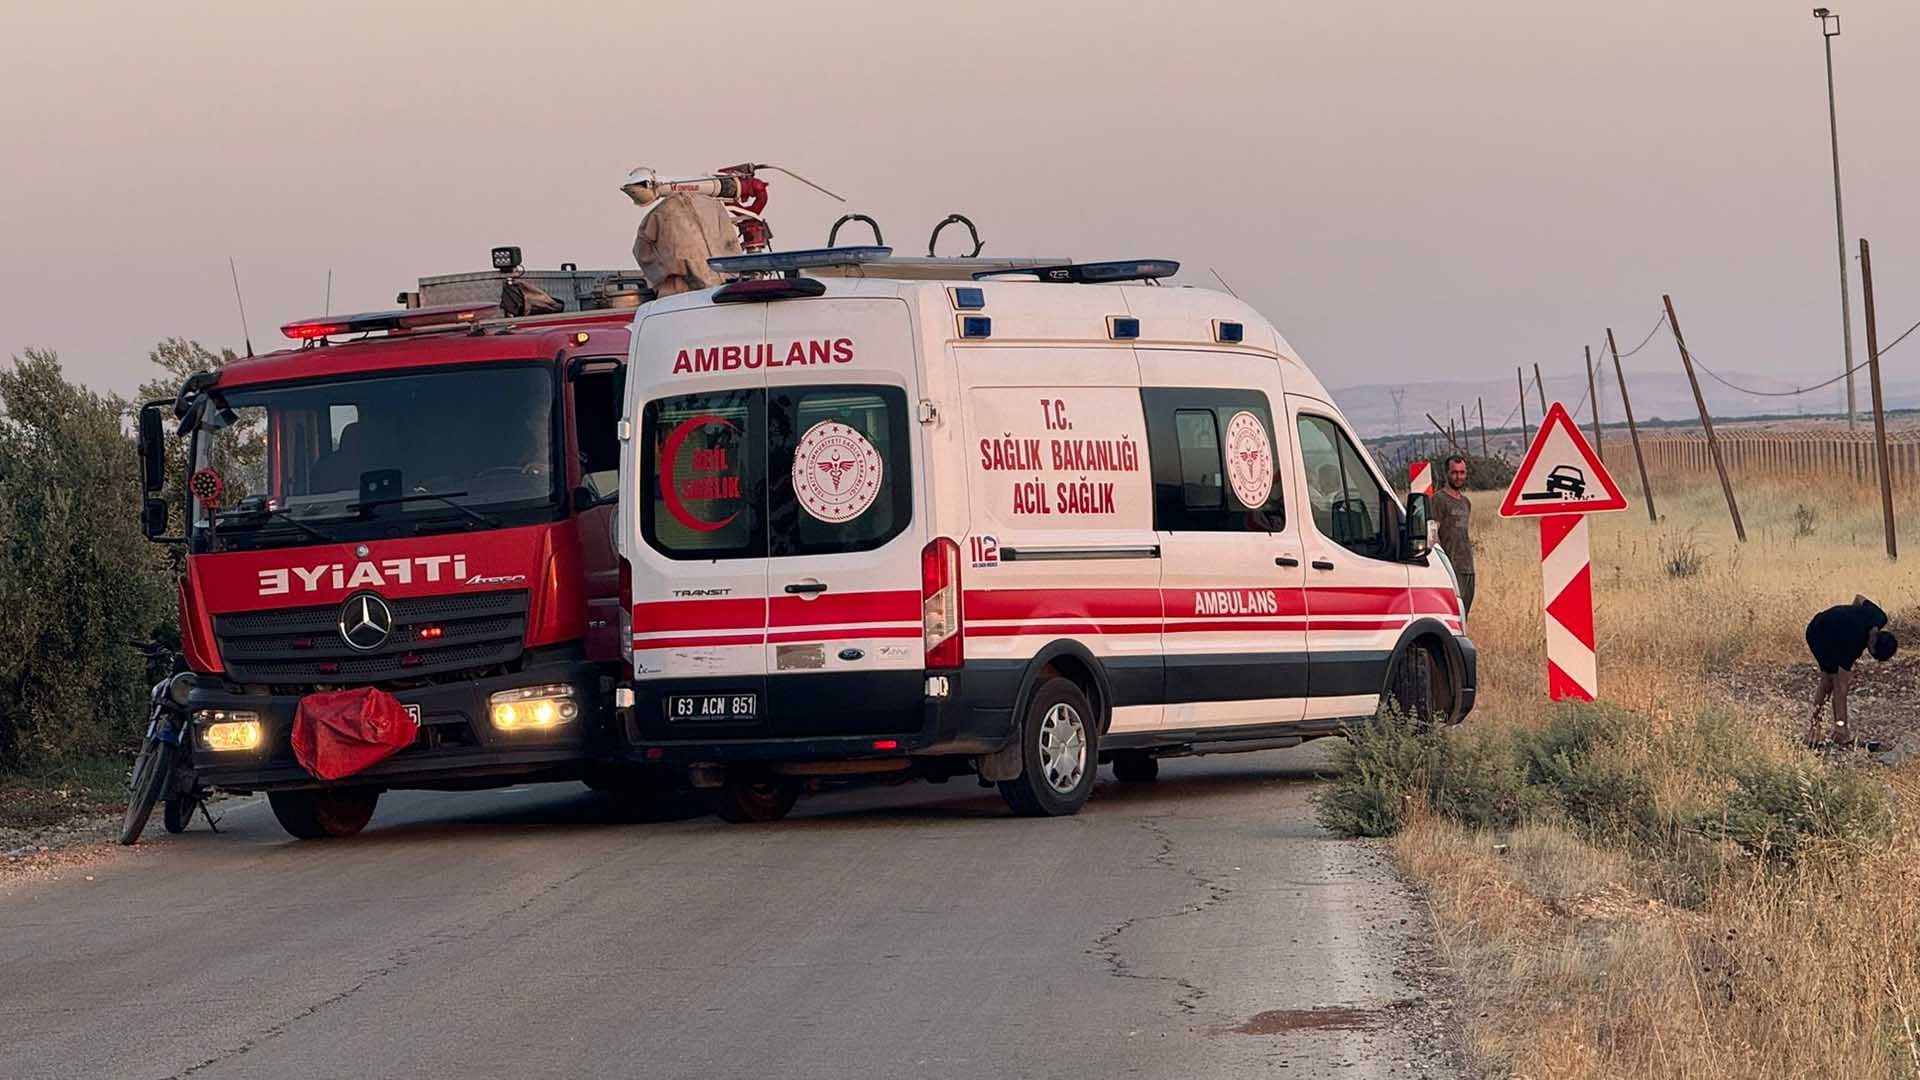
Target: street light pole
1830, 29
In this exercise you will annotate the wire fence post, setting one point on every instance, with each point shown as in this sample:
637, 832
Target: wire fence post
1879, 411
1706, 421
1480, 406
1594, 395
1526, 432
1541, 386
1633, 433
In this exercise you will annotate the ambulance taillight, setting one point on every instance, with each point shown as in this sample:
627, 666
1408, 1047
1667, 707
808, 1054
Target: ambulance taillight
940, 604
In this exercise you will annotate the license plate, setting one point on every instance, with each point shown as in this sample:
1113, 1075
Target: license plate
413, 712
694, 708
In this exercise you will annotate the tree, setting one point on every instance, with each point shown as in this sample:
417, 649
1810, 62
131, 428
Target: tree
78, 582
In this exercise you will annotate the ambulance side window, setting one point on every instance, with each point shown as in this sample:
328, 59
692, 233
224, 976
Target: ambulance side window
1213, 456
702, 455
1350, 508
838, 469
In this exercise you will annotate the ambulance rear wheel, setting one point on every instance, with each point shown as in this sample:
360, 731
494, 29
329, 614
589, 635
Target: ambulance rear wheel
1135, 767
327, 814
756, 797
1060, 753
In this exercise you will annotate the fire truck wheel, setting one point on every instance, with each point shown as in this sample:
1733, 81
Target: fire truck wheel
748, 797
1135, 767
178, 813
318, 815
1059, 753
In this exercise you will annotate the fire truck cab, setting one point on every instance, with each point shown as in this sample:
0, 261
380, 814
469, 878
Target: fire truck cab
419, 501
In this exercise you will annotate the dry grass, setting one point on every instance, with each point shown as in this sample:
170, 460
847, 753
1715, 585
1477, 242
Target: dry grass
1617, 959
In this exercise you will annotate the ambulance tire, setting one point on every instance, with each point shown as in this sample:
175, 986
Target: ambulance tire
751, 797
1411, 687
331, 813
1060, 753
1135, 767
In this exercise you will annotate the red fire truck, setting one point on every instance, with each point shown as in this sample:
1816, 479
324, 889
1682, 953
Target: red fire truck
417, 501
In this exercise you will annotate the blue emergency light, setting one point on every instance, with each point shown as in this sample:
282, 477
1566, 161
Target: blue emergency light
792, 262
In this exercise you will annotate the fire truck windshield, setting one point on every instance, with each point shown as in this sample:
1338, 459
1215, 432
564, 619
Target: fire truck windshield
440, 450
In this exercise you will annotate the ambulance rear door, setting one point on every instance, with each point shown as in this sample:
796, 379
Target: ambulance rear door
694, 529
846, 508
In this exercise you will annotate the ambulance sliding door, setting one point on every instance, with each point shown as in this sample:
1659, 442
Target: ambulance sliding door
1231, 570
1061, 508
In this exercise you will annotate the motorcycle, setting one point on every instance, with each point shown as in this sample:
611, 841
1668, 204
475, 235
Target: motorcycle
164, 768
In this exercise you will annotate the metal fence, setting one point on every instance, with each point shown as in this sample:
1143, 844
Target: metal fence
1819, 455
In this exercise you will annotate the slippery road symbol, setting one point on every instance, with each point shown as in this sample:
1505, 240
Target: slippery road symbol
1564, 482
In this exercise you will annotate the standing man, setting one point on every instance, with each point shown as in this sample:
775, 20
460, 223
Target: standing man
1837, 637
1454, 512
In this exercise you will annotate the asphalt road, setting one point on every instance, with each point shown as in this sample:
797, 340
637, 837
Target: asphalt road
1197, 926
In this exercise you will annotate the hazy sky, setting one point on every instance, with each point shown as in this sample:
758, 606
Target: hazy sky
1408, 189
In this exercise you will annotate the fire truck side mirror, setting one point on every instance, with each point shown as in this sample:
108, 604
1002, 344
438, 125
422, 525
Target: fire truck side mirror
153, 518
153, 449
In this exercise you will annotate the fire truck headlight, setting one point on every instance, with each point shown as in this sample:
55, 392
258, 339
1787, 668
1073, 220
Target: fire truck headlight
227, 729
535, 708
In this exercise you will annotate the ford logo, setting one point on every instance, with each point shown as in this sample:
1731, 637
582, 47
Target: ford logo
851, 655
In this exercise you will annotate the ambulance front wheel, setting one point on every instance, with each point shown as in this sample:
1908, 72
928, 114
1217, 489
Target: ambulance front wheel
330, 813
1059, 753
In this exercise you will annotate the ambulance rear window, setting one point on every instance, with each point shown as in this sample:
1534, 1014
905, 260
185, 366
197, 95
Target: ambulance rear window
703, 456
837, 469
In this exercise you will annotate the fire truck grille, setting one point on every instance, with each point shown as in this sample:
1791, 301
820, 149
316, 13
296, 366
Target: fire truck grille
431, 635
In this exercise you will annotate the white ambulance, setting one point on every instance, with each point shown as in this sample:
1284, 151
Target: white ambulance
1011, 527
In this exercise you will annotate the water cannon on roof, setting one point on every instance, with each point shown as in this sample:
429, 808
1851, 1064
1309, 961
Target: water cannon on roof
739, 189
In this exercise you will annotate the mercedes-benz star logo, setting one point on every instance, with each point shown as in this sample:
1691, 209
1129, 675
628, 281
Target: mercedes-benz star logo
365, 622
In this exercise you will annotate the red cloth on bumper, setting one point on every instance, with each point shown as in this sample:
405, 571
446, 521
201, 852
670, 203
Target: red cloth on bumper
340, 732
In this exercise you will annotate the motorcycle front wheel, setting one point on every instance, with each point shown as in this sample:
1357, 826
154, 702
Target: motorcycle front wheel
150, 773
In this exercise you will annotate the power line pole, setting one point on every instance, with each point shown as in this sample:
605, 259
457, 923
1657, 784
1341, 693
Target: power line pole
1830, 29
1594, 393
1633, 433
1397, 396
1526, 433
1706, 422
1880, 458
1540, 385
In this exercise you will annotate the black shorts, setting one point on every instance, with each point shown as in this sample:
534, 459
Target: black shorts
1832, 658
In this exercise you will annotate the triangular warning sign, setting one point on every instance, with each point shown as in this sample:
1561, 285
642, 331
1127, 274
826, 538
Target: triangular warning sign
1561, 474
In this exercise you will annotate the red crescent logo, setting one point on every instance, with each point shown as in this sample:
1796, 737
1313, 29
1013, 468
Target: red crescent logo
669, 454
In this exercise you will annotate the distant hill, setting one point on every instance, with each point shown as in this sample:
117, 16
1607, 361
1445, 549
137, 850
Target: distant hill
1369, 407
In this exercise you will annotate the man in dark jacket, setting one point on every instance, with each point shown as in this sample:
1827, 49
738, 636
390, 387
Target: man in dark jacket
1454, 512
1837, 637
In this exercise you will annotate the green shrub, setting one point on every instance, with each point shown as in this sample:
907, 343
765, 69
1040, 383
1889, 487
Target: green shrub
1780, 812
1600, 798
1385, 765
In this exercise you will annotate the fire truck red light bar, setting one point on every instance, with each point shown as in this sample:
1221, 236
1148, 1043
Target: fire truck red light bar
403, 319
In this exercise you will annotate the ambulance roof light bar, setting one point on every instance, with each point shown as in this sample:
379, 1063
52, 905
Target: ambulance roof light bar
441, 315
790, 263
1094, 273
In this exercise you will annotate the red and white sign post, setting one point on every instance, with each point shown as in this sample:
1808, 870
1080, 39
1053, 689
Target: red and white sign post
1420, 477
1561, 481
